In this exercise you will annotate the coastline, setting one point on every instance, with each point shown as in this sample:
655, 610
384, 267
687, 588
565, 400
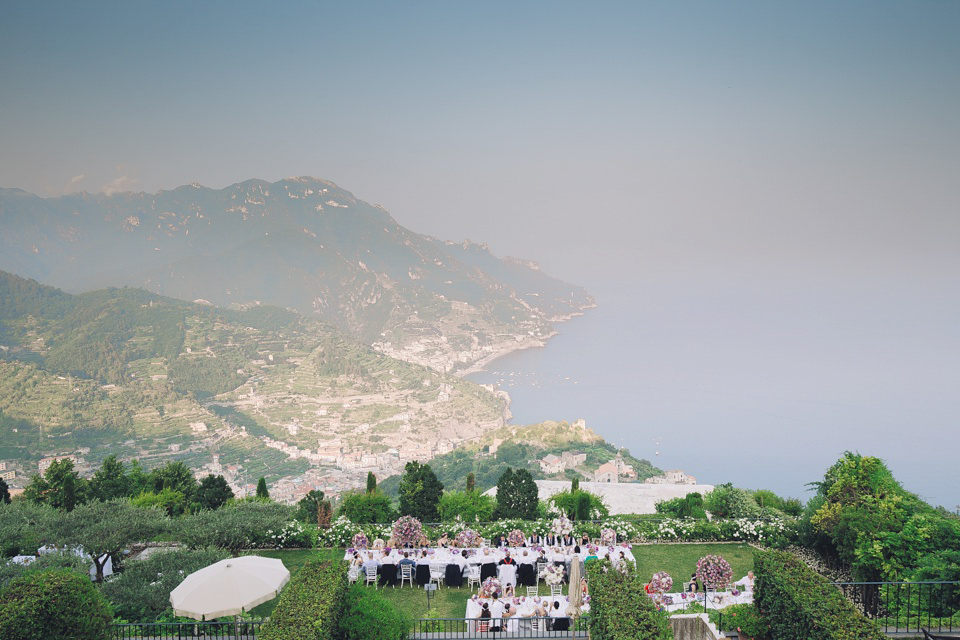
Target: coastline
481, 365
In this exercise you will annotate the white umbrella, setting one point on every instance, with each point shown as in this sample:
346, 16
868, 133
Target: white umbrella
576, 596
229, 587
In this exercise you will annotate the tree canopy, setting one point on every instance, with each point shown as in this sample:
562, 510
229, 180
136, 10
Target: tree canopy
516, 495
420, 492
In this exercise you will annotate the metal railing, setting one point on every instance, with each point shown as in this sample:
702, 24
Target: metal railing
247, 630
516, 627
907, 607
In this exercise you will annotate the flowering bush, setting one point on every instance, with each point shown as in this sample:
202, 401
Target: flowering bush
407, 530
661, 582
491, 588
608, 536
360, 541
516, 538
562, 525
553, 574
293, 535
467, 539
713, 571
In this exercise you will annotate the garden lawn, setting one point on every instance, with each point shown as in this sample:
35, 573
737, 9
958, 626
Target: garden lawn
679, 560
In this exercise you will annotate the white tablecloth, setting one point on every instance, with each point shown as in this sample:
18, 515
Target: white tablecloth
524, 606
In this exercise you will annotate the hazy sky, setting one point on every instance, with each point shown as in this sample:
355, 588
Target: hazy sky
790, 169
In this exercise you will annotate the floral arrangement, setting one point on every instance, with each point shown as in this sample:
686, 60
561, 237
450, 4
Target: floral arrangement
467, 539
592, 549
407, 530
713, 571
360, 541
387, 550
490, 588
516, 538
562, 526
553, 574
661, 582
608, 536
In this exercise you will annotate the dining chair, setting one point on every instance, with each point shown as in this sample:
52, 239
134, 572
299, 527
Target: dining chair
406, 573
371, 574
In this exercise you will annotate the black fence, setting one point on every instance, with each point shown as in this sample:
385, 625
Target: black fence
243, 630
907, 607
516, 627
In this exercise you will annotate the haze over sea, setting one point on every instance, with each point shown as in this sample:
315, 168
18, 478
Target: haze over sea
680, 381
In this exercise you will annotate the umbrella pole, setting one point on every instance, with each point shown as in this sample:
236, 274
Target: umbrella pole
236, 627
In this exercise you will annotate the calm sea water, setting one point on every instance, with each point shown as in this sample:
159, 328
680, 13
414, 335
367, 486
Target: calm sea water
764, 397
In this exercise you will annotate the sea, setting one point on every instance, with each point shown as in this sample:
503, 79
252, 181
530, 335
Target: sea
762, 398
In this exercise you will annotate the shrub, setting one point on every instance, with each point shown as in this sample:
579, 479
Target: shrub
743, 618
800, 604
620, 608
310, 606
47, 562
142, 592
54, 604
240, 525
368, 615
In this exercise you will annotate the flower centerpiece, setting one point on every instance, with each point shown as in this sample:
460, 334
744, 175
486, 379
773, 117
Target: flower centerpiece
467, 539
608, 536
714, 572
516, 538
360, 541
553, 574
562, 526
407, 530
661, 582
490, 588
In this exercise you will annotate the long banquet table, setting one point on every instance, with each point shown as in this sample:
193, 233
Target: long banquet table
490, 556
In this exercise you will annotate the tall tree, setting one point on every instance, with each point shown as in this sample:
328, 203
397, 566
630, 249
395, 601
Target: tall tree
517, 495
176, 476
420, 492
367, 508
371, 482
110, 480
471, 481
308, 506
104, 529
213, 492
4, 492
60, 486
262, 492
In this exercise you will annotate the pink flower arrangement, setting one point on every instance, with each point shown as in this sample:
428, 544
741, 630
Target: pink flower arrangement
661, 582
360, 541
467, 539
491, 588
407, 530
713, 571
608, 536
553, 574
516, 538
562, 526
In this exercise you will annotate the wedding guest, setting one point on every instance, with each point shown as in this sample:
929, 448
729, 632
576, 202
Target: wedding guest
535, 539
507, 559
693, 582
406, 559
484, 623
567, 540
443, 542
746, 581
508, 591
371, 562
551, 540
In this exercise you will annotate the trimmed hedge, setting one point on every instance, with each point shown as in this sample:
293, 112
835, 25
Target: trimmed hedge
54, 604
800, 604
620, 608
367, 615
310, 606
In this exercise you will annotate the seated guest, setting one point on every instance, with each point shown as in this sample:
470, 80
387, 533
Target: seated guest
585, 540
508, 591
693, 582
423, 559
371, 561
567, 540
551, 540
507, 559
560, 621
406, 559
535, 539
443, 542
746, 581
484, 623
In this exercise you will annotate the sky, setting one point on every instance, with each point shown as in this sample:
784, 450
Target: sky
773, 187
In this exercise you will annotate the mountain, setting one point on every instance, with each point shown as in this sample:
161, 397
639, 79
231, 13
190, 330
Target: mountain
260, 391
300, 243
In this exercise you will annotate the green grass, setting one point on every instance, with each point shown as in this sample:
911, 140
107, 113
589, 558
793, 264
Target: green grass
679, 560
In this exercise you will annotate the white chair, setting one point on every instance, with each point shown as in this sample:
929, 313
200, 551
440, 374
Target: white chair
507, 573
556, 590
436, 574
406, 573
353, 573
371, 573
473, 576
532, 592
541, 571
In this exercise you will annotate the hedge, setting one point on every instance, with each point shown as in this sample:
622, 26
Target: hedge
367, 615
620, 608
54, 604
310, 606
799, 604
